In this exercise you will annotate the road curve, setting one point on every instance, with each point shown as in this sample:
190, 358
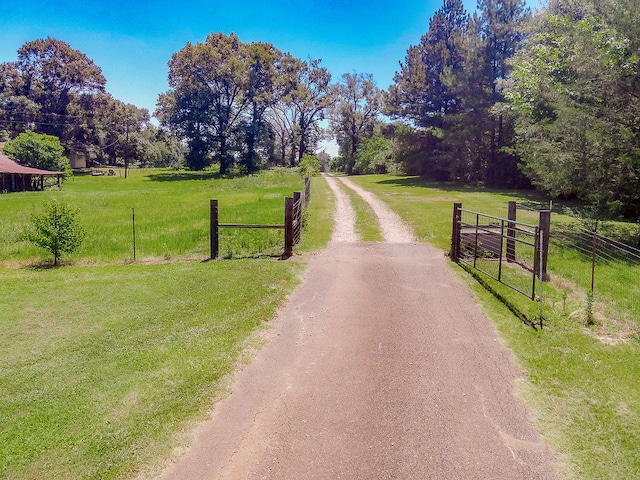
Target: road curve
380, 366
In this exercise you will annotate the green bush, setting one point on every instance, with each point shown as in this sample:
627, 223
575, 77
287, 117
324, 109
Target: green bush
309, 165
57, 230
38, 150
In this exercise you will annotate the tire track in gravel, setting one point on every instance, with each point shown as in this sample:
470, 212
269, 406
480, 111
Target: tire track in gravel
394, 230
344, 217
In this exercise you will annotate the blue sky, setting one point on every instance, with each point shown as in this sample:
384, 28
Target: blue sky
132, 41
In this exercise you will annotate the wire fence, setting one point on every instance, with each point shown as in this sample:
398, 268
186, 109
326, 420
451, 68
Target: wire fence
605, 267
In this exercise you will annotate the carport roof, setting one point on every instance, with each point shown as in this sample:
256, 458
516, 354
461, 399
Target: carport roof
9, 166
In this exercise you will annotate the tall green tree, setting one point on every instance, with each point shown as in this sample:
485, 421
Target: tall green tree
449, 87
109, 131
220, 91
354, 113
48, 77
374, 155
502, 35
421, 92
283, 115
310, 97
576, 92
264, 65
207, 97
283, 122
427, 93
57, 90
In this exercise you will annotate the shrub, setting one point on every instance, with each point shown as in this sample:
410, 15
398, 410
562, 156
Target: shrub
309, 165
57, 230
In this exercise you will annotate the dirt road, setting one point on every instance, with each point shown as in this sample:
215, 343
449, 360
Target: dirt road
380, 367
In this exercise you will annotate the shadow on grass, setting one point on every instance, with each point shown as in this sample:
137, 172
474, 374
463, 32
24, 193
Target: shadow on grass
182, 175
45, 265
451, 187
179, 176
249, 256
535, 323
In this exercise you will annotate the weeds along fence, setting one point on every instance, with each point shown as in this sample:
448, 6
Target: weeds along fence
606, 268
603, 267
292, 227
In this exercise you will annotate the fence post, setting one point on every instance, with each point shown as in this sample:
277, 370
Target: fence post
454, 254
133, 224
288, 227
594, 249
213, 222
297, 217
544, 226
307, 190
511, 232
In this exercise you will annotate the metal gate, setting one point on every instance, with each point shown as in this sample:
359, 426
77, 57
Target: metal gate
511, 252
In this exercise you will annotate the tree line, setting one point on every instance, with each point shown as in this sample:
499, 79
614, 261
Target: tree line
243, 104
500, 97
249, 105
509, 98
55, 90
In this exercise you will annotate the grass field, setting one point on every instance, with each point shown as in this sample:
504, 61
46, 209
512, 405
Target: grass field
171, 215
582, 383
101, 366
106, 363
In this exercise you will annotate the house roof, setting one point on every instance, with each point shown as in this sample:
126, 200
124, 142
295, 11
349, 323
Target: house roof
9, 166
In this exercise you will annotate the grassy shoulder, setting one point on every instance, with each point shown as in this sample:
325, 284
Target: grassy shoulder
103, 366
106, 365
318, 220
582, 383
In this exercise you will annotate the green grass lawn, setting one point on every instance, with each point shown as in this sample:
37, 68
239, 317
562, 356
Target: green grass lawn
107, 364
583, 384
102, 366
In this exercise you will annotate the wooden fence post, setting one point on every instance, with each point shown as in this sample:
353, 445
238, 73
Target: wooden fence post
297, 217
288, 227
454, 254
544, 226
511, 232
213, 216
594, 251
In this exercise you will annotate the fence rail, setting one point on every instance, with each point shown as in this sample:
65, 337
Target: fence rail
292, 226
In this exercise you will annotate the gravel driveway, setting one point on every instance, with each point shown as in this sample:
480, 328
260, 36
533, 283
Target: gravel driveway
380, 366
